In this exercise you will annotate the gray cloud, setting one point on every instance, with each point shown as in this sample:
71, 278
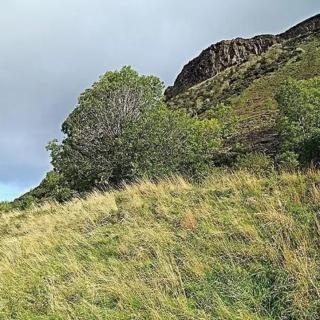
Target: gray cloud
52, 50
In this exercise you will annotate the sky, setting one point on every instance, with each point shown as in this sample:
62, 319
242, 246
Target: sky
54, 49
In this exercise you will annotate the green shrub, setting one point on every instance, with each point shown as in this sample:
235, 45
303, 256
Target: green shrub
257, 163
164, 142
288, 161
227, 118
299, 120
24, 202
52, 188
121, 131
5, 206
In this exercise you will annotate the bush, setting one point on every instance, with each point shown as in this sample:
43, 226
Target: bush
5, 206
24, 202
257, 163
52, 188
164, 142
227, 118
299, 121
288, 161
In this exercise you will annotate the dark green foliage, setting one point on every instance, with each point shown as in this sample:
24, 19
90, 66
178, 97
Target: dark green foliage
23, 202
299, 121
257, 163
52, 188
5, 206
288, 161
164, 142
87, 157
121, 131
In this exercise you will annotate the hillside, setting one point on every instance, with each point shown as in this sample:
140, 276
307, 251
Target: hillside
231, 93
236, 247
246, 74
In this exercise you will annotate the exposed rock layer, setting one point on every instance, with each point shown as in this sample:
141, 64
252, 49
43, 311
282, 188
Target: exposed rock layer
225, 54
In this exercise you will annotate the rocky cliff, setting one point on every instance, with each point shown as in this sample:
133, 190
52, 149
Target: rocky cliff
307, 26
225, 54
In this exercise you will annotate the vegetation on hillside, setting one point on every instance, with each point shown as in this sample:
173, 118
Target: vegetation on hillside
299, 123
121, 131
111, 143
238, 246
251, 89
241, 241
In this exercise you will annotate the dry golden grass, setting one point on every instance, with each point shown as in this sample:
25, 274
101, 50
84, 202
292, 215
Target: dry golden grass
236, 247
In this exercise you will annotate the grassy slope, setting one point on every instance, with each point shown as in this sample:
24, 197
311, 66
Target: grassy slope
237, 247
251, 88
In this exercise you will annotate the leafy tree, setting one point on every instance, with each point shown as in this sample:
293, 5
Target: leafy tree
299, 121
87, 157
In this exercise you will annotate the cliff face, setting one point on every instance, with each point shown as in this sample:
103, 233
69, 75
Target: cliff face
225, 54
309, 25
217, 58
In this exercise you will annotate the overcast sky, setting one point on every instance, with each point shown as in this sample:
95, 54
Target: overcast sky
51, 50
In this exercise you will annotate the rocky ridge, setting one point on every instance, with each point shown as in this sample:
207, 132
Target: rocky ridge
228, 53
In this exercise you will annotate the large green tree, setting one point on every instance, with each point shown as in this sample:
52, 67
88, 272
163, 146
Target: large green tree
87, 157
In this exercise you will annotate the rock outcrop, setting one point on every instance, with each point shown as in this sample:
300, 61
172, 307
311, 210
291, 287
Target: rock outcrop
309, 25
217, 58
225, 54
